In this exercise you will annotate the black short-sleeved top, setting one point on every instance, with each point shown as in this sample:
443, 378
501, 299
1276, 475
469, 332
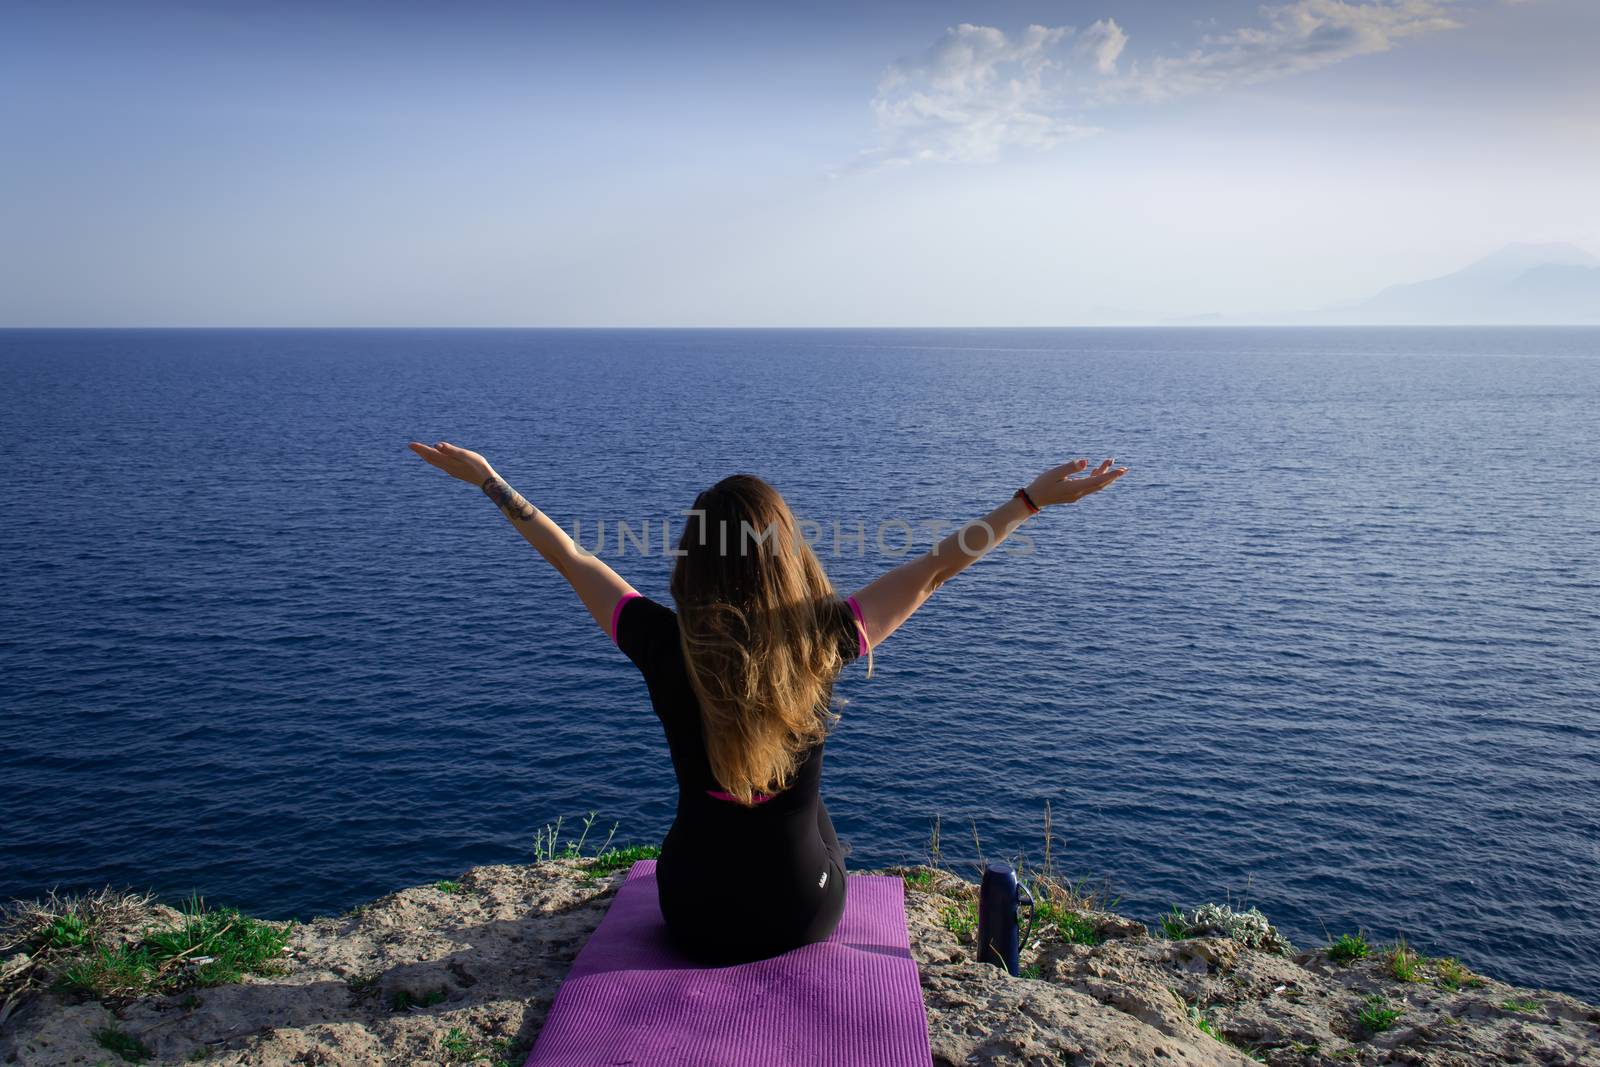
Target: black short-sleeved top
647, 632
735, 882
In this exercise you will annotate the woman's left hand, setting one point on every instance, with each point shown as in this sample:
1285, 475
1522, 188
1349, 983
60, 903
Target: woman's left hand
460, 463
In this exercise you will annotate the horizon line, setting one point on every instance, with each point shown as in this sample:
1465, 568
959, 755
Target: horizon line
4, 328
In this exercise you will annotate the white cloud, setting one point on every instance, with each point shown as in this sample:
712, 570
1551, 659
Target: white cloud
978, 91
1104, 41
1297, 37
973, 93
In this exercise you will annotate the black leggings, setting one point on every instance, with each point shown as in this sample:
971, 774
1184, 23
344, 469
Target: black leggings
758, 922
827, 918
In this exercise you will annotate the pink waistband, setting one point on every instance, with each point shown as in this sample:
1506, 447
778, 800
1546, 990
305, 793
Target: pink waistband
720, 795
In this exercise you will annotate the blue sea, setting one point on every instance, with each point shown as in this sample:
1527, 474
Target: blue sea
1331, 648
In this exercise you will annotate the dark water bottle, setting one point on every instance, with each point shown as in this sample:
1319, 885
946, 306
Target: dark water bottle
998, 903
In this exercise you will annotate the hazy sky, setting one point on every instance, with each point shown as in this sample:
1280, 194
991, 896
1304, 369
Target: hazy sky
924, 162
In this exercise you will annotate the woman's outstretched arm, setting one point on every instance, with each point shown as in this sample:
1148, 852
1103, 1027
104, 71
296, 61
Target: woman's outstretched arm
889, 601
599, 587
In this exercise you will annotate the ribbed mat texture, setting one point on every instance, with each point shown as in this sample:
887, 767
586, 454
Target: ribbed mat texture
853, 1000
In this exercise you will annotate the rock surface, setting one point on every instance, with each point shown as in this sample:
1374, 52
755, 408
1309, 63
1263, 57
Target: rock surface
438, 976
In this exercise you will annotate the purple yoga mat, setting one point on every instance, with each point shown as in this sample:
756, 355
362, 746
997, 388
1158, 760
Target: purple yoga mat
853, 1000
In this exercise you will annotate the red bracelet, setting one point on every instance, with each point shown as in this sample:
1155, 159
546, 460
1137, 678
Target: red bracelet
1022, 494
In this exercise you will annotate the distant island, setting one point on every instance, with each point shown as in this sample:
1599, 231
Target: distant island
1519, 285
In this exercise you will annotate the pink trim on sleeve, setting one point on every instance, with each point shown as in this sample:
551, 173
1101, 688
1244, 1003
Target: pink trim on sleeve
861, 631
616, 614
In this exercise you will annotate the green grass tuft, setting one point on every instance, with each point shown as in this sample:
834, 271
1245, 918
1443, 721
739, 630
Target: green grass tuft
64, 931
125, 1045
922, 879
1453, 975
230, 943
961, 919
617, 859
1075, 927
1404, 964
205, 948
458, 1046
1376, 1016
509, 1052
1209, 1028
70, 921
362, 984
1527, 1007
110, 971
1348, 947
1173, 926
444, 885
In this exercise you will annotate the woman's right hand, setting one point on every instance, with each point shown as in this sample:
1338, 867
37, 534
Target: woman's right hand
462, 463
1056, 486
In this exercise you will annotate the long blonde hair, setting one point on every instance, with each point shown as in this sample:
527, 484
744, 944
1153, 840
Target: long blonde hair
759, 625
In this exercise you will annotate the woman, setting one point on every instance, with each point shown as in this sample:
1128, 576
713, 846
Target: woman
741, 677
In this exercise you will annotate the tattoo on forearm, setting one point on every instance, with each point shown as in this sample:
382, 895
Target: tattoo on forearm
508, 500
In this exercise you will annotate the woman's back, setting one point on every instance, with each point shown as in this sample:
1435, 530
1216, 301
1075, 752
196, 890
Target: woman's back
736, 881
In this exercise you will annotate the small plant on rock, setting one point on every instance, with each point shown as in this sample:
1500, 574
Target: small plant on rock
1404, 964
457, 1045
1074, 927
1348, 947
507, 1052
1453, 975
208, 946
617, 859
362, 984
1219, 920
1376, 1016
961, 919
125, 1045
64, 931
547, 841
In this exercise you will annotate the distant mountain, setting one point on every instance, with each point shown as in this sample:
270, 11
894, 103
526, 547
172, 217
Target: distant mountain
1521, 284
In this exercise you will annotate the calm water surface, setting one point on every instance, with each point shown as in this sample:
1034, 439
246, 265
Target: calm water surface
1332, 647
